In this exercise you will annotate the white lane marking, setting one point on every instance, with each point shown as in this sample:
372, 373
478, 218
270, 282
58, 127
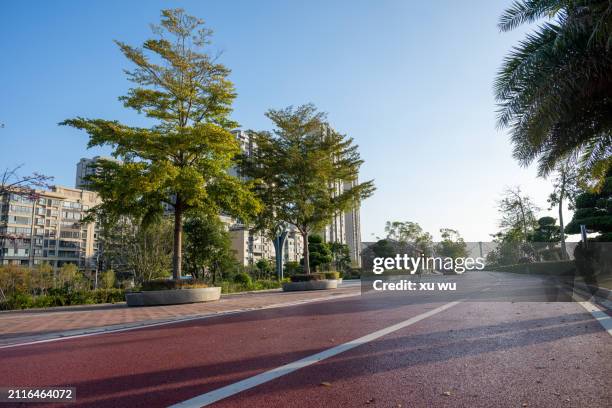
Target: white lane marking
135, 326
602, 317
232, 389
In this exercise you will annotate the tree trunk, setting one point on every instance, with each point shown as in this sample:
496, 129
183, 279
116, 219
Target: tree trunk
564, 254
306, 254
177, 256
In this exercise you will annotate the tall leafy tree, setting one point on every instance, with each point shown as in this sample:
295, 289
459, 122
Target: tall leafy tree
554, 88
409, 232
565, 188
518, 213
135, 250
299, 169
452, 244
182, 159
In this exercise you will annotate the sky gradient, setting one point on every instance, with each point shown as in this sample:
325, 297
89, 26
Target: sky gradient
410, 81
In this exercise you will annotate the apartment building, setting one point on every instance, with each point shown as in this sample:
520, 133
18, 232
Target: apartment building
249, 247
46, 226
85, 167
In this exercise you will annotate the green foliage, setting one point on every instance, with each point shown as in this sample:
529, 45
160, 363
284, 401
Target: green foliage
108, 279
554, 87
167, 284
137, 250
243, 278
62, 297
508, 250
452, 244
594, 210
332, 275
383, 249
546, 231
292, 268
265, 267
319, 252
517, 214
556, 268
208, 249
234, 287
340, 255
298, 168
182, 160
410, 233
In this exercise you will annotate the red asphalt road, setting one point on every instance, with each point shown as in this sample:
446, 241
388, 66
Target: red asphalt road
473, 354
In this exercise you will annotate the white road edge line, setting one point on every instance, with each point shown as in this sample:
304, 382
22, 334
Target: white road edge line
101, 330
602, 317
232, 389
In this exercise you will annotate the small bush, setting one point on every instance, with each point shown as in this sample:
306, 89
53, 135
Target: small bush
167, 284
332, 275
243, 278
108, 279
293, 268
307, 278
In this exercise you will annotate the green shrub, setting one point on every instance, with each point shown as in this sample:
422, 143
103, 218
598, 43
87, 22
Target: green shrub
307, 278
540, 268
292, 268
234, 287
243, 278
167, 284
332, 275
108, 279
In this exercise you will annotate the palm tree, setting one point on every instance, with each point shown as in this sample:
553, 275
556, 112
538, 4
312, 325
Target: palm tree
554, 89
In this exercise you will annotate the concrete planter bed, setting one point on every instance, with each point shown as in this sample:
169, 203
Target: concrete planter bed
310, 285
172, 296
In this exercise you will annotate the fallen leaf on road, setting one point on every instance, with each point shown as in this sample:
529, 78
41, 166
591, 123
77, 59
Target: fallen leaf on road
326, 384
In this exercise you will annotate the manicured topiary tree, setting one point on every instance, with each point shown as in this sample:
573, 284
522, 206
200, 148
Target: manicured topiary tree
594, 210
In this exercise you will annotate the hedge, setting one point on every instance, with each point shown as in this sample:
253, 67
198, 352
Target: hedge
539, 268
167, 284
62, 297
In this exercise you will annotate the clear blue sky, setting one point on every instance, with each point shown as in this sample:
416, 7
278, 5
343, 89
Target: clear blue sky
410, 81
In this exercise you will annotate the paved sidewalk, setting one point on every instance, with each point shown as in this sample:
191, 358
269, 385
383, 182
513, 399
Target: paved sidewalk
17, 327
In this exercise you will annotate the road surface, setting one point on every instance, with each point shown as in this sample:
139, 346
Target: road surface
378, 349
